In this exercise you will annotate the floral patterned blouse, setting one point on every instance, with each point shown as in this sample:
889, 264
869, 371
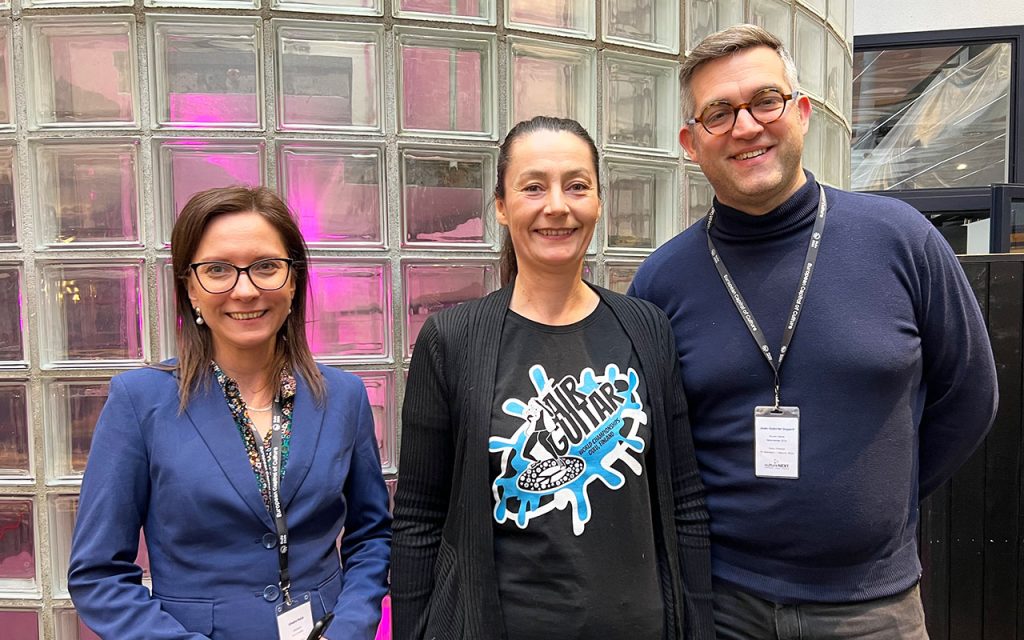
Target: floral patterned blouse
247, 430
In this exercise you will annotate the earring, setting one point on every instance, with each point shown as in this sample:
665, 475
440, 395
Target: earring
199, 317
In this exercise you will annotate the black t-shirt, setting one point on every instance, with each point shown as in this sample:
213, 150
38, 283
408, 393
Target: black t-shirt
573, 529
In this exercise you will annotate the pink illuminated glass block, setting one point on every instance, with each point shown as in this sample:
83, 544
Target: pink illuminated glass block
392, 486
470, 9
14, 436
186, 167
94, 312
328, 77
429, 288
348, 312
167, 313
208, 72
575, 17
384, 630
20, 624
620, 276
17, 543
12, 348
6, 57
8, 199
553, 80
445, 195
335, 191
73, 407
69, 626
445, 83
379, 391
83, 71
87, 192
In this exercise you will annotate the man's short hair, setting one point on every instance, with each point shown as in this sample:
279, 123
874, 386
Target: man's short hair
724, 43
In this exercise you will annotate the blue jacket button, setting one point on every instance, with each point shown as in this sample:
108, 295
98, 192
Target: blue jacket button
269, 540
271, 593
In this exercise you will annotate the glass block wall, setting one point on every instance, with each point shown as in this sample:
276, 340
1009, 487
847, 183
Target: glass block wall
378, 120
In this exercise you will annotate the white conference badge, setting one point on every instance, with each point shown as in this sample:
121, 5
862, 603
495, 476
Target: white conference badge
777, 442
296, 621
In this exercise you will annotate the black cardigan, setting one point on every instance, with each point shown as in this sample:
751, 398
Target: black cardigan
443, 581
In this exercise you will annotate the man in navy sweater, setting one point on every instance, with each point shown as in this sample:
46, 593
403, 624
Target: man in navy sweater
834, 357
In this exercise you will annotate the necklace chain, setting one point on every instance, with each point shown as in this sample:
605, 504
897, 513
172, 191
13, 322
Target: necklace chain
259, 409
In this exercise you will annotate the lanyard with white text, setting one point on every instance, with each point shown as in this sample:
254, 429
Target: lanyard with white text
272, 476
798, 301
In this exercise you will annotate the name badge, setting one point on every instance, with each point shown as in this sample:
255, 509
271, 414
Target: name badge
777, 442
296, 621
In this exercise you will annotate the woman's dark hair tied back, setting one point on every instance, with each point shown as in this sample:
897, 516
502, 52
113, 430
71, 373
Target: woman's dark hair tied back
508, 265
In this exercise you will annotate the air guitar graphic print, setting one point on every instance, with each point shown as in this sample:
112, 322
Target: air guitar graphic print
573, 431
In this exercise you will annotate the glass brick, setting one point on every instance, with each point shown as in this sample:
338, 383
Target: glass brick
619, 275
551, 79
8, 197
380, 391
167, 314
207, 73
20, 624
6, 73
83, 71
704, 17
774, 16
335, 190
817, 6
562, 17
641, 103
211, 4
72, 408
812, 158
446, 83
328, 77
12, 347
68, 626
700, 195
94, 314
432, 287
837, 15
833, 152
809, 52
349, 313
643, 23
445, 197
641, 203
474, 11
354, 7
392, 487
837, 86
17, 545
15, 441
186, 167
86, 192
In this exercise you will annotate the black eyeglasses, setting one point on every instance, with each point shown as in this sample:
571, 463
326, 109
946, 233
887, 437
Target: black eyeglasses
220, 277
767, 106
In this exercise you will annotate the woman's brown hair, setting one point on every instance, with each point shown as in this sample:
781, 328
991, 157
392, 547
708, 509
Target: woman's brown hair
195, 344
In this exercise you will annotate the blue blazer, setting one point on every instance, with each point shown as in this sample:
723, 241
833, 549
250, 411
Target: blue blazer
186, 479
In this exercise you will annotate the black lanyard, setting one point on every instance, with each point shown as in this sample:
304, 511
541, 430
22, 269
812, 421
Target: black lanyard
272, 476
798, 301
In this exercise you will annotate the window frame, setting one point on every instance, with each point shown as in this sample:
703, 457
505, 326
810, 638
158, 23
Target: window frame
973, 202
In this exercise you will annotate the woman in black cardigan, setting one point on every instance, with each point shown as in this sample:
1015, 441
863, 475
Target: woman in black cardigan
548, 480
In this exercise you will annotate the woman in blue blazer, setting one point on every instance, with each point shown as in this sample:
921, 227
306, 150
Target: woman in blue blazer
242, 461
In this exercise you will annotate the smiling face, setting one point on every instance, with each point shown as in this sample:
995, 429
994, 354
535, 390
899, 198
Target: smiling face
755, 167
551, 202
244, 319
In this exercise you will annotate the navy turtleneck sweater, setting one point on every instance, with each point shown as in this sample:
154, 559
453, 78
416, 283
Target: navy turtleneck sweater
890, 366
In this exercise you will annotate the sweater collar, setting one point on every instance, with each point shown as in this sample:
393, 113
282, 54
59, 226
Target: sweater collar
795, 213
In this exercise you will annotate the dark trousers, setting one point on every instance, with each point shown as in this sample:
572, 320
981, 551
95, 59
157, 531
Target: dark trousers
741, 616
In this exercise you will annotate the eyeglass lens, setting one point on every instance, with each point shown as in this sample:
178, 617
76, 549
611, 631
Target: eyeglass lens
766, 107
219, 277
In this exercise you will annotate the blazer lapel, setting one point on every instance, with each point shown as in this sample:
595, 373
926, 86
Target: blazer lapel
307, 424
208, 411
